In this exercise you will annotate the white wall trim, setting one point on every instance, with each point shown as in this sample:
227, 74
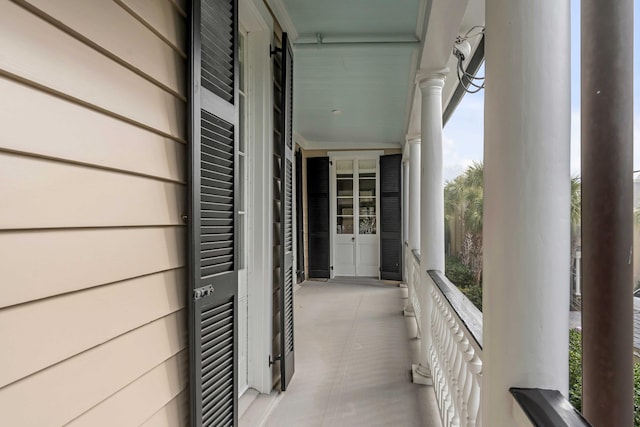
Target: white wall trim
356, 155
330, 145
254, 15
282, 15
259, 212
301, 140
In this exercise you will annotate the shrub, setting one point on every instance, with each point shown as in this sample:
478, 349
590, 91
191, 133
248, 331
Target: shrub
575, 369
575, 376
461, 276
458, 273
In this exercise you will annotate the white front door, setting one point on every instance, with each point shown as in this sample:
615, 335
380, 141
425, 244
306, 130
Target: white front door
367, 251
355, 207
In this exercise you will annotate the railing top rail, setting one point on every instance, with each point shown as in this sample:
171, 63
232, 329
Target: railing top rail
468, 313
547, 408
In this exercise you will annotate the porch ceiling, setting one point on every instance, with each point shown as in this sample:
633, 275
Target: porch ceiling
369, 83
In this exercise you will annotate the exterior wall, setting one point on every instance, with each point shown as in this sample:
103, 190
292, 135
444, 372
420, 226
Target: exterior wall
306, 154
92, 183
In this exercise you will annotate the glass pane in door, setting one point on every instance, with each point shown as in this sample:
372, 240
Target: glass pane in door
367, 196
344, 197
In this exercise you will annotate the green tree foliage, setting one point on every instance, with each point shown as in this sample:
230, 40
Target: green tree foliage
575, 376
576, 201
461, 276
463, 202
575, 369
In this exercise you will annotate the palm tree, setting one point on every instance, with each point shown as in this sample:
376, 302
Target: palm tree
575, 215
474, 197
463, 203
463, 214
576, 200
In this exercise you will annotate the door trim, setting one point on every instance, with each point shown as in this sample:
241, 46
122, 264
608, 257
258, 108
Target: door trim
257, 20
350, 155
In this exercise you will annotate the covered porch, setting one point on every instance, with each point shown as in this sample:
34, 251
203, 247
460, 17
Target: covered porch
353, 349
503, 368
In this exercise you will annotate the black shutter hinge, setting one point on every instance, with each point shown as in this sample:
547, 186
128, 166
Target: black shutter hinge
274, 50
203, 292
274, 360
331, 267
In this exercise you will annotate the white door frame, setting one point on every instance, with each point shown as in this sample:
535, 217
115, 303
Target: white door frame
351, 155
258, 22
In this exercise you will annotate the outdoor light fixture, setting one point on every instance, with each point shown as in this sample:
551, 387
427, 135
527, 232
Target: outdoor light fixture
462, 50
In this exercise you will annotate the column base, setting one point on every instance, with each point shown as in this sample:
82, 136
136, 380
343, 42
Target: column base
418, 377
408, 312
402, 285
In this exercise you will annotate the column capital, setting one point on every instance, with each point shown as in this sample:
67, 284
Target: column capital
426, 78
413, 138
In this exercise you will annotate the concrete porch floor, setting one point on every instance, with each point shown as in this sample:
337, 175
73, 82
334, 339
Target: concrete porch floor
354, 351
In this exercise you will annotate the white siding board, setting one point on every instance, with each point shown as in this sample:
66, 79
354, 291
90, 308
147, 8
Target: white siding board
132, 405
40, 193
163, 17
43, 263
105, 312
59, 394
133, 43
93, 138
38, 52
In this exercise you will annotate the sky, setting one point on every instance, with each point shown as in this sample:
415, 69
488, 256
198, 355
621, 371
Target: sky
463, 134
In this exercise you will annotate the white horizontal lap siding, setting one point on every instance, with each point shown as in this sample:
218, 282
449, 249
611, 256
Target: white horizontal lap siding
92, 242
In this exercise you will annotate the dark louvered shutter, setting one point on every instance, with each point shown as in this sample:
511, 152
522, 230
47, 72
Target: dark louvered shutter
212, 269
287, 359
318, 216
391, 217
299, 219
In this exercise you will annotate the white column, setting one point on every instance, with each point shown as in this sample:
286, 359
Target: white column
414, 208
431, 208
405, 200
414, 192
432, 178
405, 217
526, 202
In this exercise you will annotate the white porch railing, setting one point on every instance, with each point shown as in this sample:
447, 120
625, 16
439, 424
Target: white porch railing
456, 352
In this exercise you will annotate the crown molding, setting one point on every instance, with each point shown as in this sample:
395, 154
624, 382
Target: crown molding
281, 13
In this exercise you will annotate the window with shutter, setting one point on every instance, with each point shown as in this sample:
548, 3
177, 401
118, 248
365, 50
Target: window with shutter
391, 217
283, 177
212, 216
299, 219
318, 216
